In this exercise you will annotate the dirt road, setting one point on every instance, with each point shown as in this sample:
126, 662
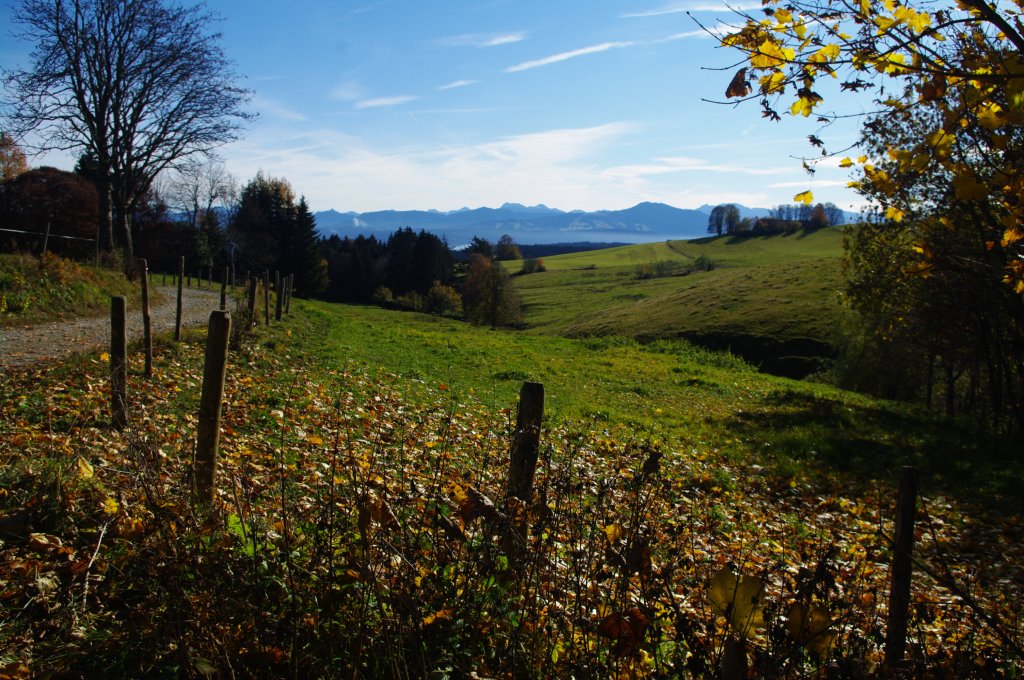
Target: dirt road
23, 346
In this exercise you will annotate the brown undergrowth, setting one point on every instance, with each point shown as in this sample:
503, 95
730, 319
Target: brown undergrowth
361, 530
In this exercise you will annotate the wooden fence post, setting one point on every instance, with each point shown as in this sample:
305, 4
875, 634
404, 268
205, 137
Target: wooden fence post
118, 362
526, 442
224, 289
147, 319
523, 465
288, 300
277, 296
902, 566
177, 318
208, 435
250, 309
266, 297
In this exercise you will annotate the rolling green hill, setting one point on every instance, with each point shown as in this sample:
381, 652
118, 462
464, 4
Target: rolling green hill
772, 300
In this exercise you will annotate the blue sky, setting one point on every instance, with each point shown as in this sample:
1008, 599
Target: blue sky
446, 104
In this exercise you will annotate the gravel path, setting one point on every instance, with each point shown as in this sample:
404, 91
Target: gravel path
23, 346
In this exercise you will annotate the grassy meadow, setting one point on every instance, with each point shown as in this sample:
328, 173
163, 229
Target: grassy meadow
770, 299
360, 527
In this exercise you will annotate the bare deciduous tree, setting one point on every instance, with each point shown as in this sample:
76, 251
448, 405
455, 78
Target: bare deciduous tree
136, 85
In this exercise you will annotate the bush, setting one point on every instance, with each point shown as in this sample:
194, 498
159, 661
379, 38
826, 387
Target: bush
442, 299
382, 296
411, 301
532, 265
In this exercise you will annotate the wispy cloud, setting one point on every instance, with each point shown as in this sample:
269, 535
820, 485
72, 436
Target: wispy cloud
456, 84
661, 166
819, 183
381, 102
565, 56
674, 8
681, 7
271, 107
482, 39
347, 91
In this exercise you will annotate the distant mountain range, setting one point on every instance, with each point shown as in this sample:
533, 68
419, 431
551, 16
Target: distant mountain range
644, 222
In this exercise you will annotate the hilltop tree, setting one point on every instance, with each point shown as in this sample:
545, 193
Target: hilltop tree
724, 218
138, 85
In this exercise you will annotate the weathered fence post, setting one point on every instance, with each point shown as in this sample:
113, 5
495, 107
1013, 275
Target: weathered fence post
526, 442
277, 296
291, 288
118, 362
224, 289
147, 319
250, 309
208, 435
177, 318
266, 297
902, 566
523, 465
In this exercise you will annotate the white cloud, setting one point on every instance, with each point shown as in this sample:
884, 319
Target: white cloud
381, 102
809, 184
271, 107
674, 8
482, 39
347, 91
456, 84
563, 56
681, 7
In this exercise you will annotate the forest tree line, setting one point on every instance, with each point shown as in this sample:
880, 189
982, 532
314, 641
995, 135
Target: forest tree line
202, 213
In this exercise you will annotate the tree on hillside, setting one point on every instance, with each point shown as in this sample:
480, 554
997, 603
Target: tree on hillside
716, 220
488, 296
138, 85
301, 255
724, 219
274, 233
480, 246
834, 214
507, 249
12, 159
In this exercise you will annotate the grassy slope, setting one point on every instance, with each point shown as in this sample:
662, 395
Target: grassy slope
667, 390
772, 300
783, 287
34, 291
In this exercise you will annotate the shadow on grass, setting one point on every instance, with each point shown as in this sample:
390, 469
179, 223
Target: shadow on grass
859, 444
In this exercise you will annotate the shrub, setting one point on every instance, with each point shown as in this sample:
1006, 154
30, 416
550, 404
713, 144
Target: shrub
532, 265
442, 299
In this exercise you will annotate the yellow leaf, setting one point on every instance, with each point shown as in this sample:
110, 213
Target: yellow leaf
895, 214
770, 84
990, 116
826, 54
84, 468
104, 357
968, 188
614, 532
783, 16
805, 197
110, 506
769, 55
315, 440
846, 163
